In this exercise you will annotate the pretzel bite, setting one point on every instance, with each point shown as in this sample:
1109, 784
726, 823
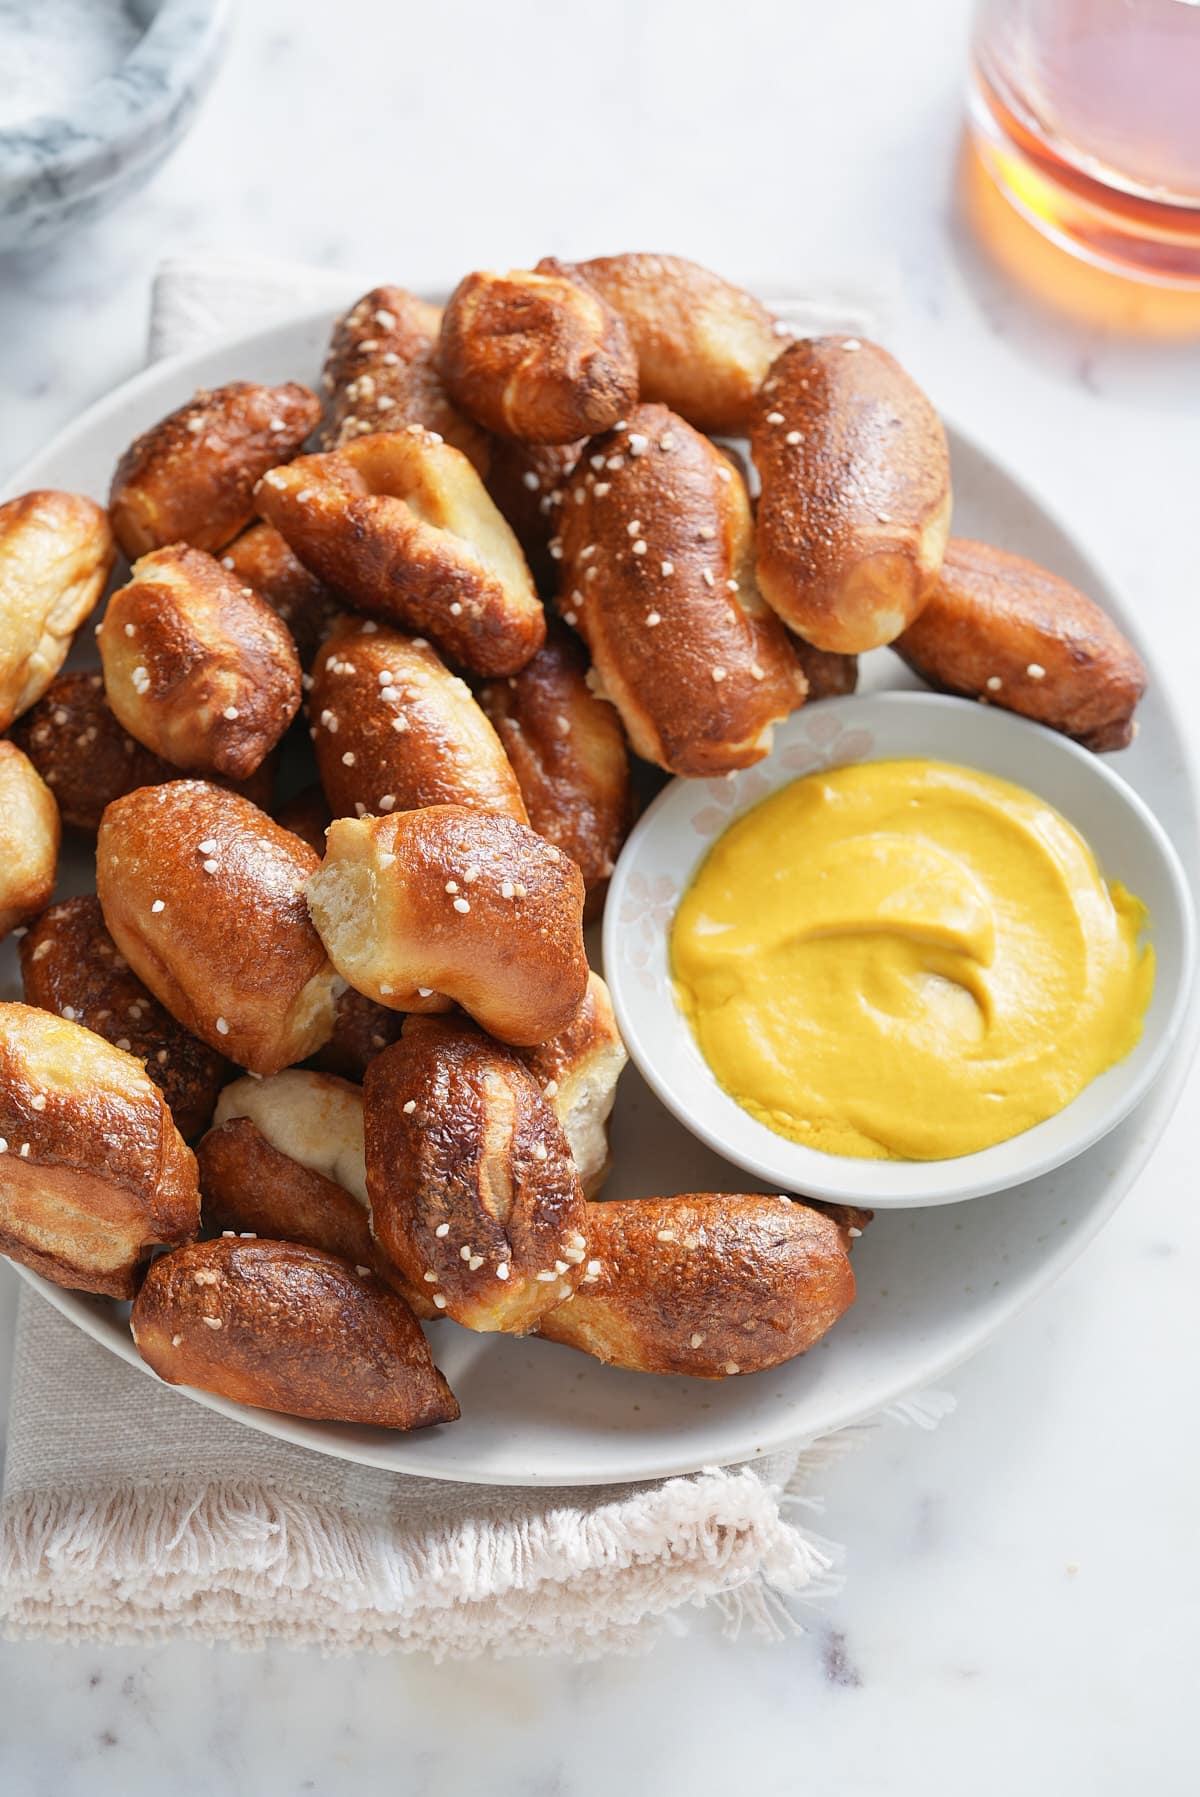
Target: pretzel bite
71, 965
204, 896
29, 839
76, 744
568, 750
191, 477
526, 482
1001, 629
284, 1159
93, 1173
703, 346
855, 504
537, 353
56, 553
578, 1071
260, 558
393, 729
709, 1284
402, 525
196, 667
447, 903
382, 372
474, 1193
361, 1030
829, 676
284, 1327
657, 561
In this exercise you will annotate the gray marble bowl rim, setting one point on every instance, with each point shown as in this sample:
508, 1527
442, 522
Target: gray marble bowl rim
122, 118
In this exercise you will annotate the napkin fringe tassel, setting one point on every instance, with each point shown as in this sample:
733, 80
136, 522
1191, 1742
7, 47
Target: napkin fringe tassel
238, 1563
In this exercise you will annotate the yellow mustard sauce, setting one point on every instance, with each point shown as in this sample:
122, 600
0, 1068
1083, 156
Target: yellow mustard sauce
907, 960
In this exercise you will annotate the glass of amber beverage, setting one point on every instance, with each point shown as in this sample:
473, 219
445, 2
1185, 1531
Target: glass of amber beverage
1087, 115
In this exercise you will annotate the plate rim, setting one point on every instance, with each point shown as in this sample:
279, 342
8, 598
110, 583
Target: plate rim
1157, 1107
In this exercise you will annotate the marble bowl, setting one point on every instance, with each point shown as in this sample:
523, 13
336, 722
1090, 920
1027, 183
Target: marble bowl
675, 833
61, 169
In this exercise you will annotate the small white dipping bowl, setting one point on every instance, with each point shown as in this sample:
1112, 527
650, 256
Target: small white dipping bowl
672, 838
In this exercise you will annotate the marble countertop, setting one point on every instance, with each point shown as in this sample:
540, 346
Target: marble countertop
1023, 1586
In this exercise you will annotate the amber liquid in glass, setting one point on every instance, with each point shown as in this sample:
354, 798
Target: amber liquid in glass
1087, 114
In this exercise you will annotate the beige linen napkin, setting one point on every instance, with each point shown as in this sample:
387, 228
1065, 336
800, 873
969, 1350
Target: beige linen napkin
130, 1514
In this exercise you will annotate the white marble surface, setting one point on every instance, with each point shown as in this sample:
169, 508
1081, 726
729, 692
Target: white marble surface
1022, 1603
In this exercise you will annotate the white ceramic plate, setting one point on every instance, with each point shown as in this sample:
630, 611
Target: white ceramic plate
933, 1284
676, 832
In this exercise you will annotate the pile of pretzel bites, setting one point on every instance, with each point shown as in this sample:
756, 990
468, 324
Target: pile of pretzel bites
368, 1005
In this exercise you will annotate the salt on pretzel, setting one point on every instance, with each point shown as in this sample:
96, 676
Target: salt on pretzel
93, 1172
999, 628
537, 354
197, 667
473, 1190
568, 751
285, 1327
855, 504
658, 577
382, 372
710, 1284
526, 482
56, 553
203, 894
88, 759
190, 478
578, 1070
260, 558
424, 907
29, 839
394, 729
70, 965
703, 345
401, 524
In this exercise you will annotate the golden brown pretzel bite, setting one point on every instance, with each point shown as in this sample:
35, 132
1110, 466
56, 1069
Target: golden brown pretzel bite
382, 372
196, 666
85, 756
657, 562
402, 525
204, 896
361, 1030
446, 903
709, 1283
855, 504
568, 751
29, 839
578, 1071
829, 676
251, 1188
393, 728
473, 1190
284, 1327
703, 346
93, 1173
284, 1159
537, 353
1000, 628
71, 965
56, 552
261, 559
526, 481
190, 478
